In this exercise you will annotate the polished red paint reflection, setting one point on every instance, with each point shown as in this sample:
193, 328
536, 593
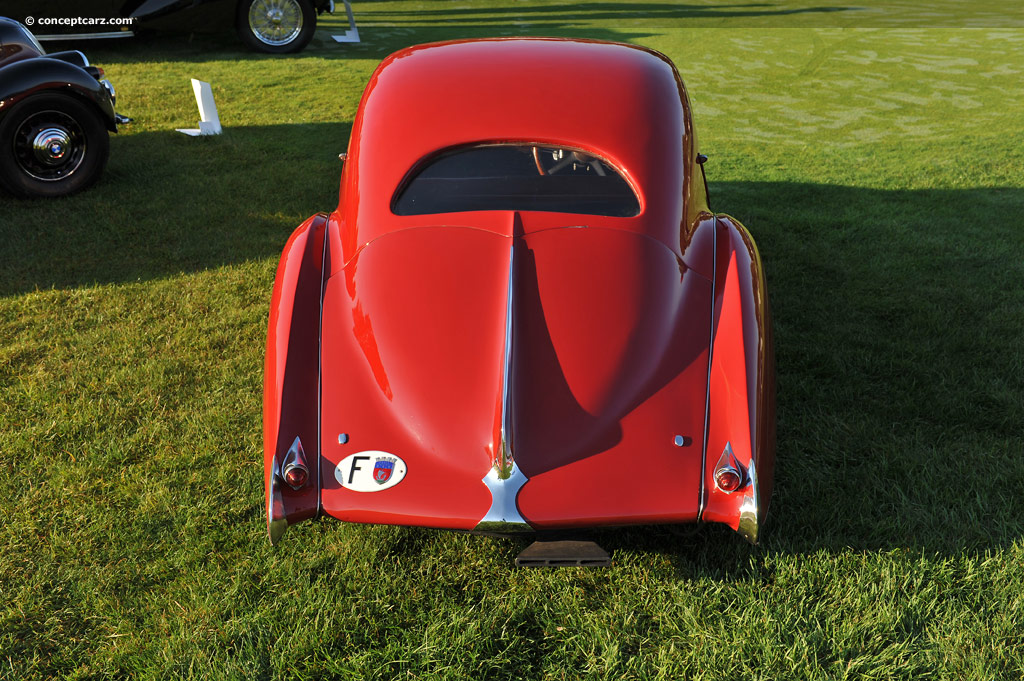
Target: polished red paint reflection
413, 335
741, 400
609, 365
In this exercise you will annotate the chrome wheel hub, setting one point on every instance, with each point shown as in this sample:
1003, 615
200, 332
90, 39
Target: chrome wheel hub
51, 146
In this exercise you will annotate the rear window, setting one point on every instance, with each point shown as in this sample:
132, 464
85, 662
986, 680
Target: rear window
517, 177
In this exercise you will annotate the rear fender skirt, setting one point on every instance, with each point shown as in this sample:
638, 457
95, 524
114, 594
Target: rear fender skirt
741, 389
291, 402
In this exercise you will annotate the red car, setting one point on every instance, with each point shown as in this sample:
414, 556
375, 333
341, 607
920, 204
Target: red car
522, 316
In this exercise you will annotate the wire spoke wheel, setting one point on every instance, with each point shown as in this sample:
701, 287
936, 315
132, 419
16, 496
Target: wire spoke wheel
275, 22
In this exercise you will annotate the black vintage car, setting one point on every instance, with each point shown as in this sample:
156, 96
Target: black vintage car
56, 113
276, 26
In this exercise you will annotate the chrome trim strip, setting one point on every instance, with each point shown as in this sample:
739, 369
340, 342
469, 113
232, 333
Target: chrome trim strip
277, 522
750, 526
505, 456
505, 479
85, 36
702, 497
320, 374
503, 515
105, 82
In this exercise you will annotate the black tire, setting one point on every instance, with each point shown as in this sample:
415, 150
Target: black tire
276, 26
52, 145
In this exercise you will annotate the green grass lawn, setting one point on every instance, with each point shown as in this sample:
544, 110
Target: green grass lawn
879, 169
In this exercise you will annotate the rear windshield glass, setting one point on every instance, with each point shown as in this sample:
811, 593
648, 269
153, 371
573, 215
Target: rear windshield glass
517, 177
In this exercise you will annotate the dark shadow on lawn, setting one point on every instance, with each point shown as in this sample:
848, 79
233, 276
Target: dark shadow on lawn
169, 203
898, 318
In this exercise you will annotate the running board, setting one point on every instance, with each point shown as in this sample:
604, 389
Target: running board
563, 554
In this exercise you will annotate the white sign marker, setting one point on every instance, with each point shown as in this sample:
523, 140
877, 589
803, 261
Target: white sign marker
352, 34
209, 121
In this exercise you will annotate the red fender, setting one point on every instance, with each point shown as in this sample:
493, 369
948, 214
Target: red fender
741, 390
291, 383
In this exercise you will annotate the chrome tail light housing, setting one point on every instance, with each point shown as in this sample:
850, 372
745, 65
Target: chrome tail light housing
294, 471
730, 474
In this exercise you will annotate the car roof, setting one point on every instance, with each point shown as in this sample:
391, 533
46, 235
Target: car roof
625, 103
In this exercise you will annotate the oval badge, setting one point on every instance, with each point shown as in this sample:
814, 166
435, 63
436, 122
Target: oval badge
370, 471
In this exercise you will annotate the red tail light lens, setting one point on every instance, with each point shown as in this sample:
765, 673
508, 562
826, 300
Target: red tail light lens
728, 480
296, 477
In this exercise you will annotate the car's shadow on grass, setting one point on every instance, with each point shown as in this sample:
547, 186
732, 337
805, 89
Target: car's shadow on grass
169, 203
898, 318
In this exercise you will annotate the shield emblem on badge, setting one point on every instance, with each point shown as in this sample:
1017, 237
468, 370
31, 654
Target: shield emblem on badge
382, 470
